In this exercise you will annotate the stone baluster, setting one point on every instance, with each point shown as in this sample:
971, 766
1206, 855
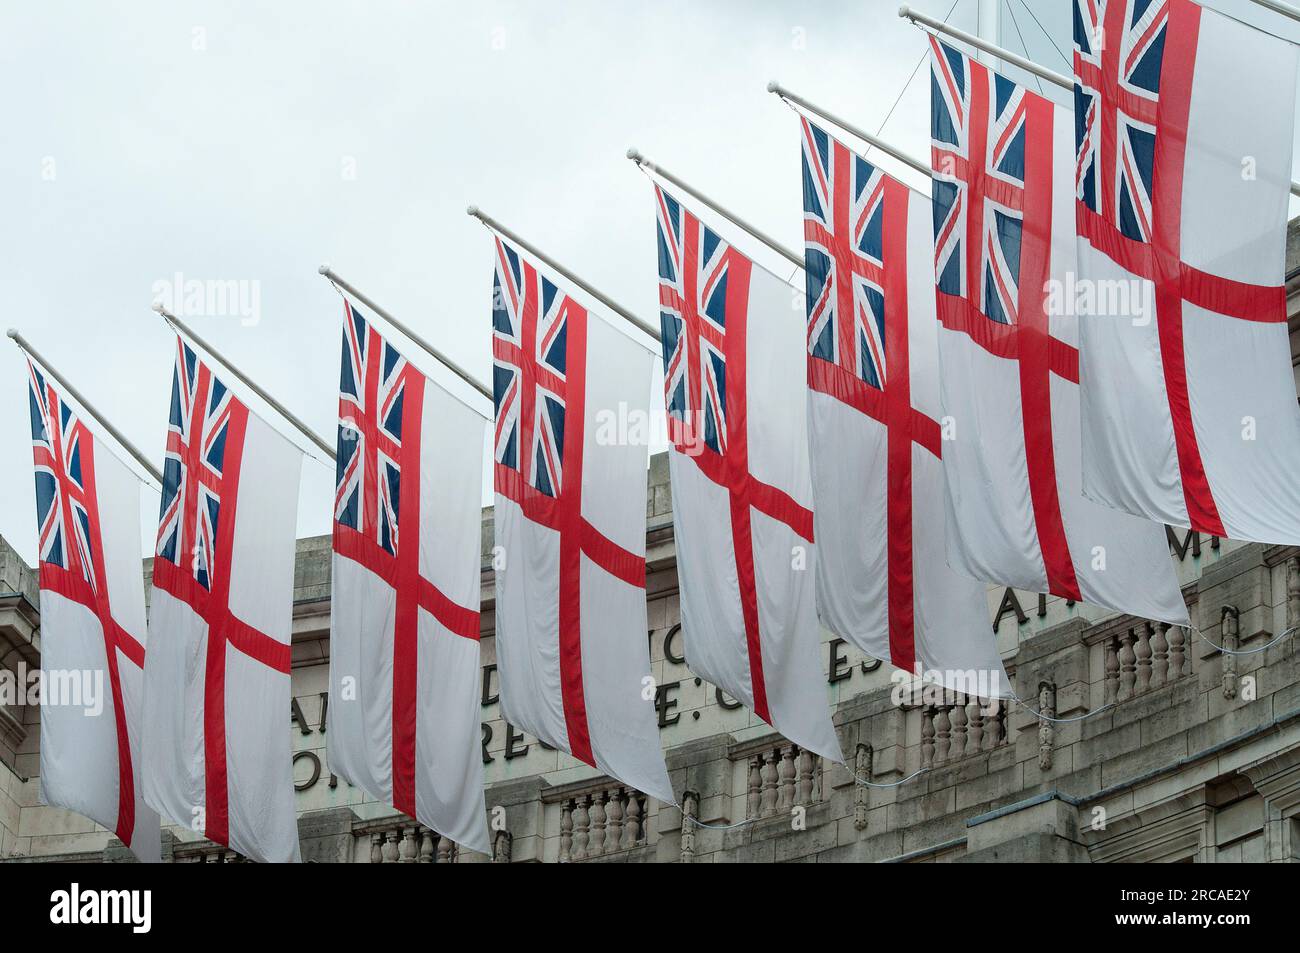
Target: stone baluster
389, 853
993, 735
862, 767
632, 821
1160, 656
785, 777
754, 788
942, 734
769, 799
502, 845
927, 736
596, 842
425, 855
803, 792
1230, 630
958, 718
974, 726
690, 811
1142, 651
408, 848
1110, 666
581, 820
614, 821
1177, 653
1046, 728
1127, 666
566, 832
446, 851
376, 848
1293, 592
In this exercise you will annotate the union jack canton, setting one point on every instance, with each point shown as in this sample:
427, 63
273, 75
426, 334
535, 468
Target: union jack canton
964, 123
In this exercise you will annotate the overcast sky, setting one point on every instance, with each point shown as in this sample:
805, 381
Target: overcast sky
253, 141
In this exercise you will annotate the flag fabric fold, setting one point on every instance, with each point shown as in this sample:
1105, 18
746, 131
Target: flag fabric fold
883, 581
404, 711
742, 492
1183, 130
92, 623
216, 754
570, 601
1009, 360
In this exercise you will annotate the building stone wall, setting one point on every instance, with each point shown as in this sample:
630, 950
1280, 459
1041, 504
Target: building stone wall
1195, 755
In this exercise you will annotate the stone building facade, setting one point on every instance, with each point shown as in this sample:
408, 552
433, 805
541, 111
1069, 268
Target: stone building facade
1192, 754
1197, 757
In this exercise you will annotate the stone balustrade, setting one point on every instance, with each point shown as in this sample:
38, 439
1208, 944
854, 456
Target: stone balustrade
961, 726
608, 819
400, 840
206, 852
781, 777
1142, 658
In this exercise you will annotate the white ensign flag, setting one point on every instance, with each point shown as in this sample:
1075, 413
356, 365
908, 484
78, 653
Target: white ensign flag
216, 752
404, 708
742, 492
92, 623
1184, 128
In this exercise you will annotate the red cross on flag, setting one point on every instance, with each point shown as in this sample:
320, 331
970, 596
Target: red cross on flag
216, 753
1008, 357
404, 615
570, 528
92, 623
742, 495
883, 581
1184, 121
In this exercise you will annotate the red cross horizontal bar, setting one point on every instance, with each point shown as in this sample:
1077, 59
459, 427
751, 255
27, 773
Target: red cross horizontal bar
354, 545
1263, 303
835, 381
1002, 340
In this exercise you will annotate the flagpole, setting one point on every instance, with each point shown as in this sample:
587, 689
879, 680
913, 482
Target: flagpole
907, 13
25, 346
1065, 82
875, 142
1285, 9
334, 278
626, 315
648, 166
181, 327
